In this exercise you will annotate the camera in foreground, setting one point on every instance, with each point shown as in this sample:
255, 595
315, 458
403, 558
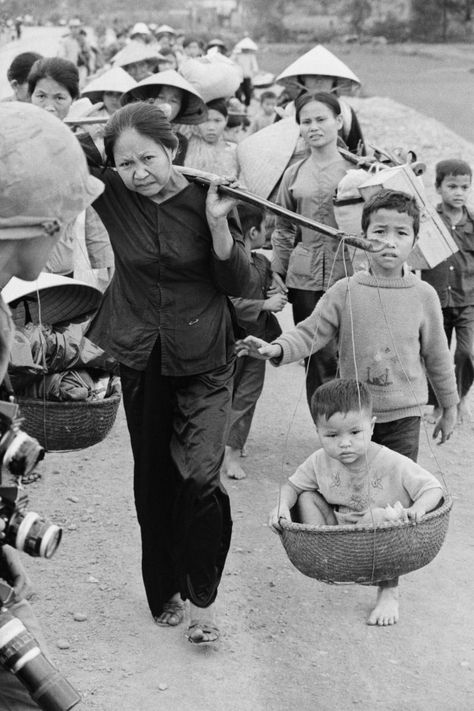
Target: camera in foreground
19, 454
26, 531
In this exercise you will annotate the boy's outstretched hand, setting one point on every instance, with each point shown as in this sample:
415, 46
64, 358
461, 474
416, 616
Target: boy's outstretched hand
446, 424
275, 515
257, 348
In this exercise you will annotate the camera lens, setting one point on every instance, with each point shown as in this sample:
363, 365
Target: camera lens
30, 533
20, 654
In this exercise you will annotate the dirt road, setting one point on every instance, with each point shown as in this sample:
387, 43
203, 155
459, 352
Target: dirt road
288, 642
43, 40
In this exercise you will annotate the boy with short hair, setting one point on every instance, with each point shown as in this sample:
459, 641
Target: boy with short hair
389, 329
266, 112
352, 479
453, 279
255, 314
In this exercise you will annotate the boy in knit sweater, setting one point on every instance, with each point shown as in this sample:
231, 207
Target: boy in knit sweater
389, 328
352, 480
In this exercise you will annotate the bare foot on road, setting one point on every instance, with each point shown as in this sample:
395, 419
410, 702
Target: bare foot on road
385, 611
231, 465
173, 612
202, 628
464, 412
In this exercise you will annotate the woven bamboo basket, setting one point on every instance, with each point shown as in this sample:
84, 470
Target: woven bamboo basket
66, 426
364, 555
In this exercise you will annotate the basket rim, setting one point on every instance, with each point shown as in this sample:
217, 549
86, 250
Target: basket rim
116, 397
353, 528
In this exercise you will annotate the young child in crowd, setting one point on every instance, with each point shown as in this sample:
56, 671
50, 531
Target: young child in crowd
255, 314
266, 113
207, 148
453, 279
389, 328
353, 480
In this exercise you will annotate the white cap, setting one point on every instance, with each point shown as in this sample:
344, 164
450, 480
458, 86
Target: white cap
140, 29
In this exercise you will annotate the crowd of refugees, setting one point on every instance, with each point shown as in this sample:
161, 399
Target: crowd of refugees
190, 298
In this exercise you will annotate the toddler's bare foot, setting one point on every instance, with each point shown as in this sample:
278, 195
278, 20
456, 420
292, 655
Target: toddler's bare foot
464, 411
231, 465
433, 416
385, 611
243, 451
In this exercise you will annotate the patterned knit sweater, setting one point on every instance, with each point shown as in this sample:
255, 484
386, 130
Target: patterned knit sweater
390, 336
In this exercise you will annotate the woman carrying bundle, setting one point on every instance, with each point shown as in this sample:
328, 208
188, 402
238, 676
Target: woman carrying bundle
165, 318
307, 187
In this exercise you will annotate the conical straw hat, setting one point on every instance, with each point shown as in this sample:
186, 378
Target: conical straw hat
134, 52
317, 61
246, 43
264, 155
115, 79
61, 299
195, 109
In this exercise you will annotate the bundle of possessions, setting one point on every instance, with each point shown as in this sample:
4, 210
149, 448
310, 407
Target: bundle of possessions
51, 356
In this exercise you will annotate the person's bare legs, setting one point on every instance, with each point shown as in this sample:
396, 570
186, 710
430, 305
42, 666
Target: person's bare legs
386, 610
313, 509
231, 465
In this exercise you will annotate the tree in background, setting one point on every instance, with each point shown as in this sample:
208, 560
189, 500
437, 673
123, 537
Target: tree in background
431, 18
359, 12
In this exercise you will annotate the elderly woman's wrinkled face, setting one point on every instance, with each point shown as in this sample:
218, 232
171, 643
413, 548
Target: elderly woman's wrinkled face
170, 100
144, 165
52, 97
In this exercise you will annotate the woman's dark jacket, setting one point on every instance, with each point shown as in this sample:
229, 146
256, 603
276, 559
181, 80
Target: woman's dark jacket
168, 282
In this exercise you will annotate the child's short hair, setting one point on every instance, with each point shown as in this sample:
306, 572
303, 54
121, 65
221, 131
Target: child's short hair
451, 166
391, 200
340, 395
267, 95
250, 216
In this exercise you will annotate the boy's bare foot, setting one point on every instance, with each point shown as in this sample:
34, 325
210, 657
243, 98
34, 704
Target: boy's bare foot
464, 411
231, 465
172, 613
386, 609
433, 416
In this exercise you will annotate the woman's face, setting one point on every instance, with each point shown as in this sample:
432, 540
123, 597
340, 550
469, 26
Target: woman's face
111, 101
171, 97
317, 82
213, 128
144, 165
138, 70
52, 97
318, 125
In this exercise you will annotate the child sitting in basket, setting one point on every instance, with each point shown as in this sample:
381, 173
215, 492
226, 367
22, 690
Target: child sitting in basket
353, 480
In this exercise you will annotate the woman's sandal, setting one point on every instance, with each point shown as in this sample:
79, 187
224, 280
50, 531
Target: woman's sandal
202, 633
175, 609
